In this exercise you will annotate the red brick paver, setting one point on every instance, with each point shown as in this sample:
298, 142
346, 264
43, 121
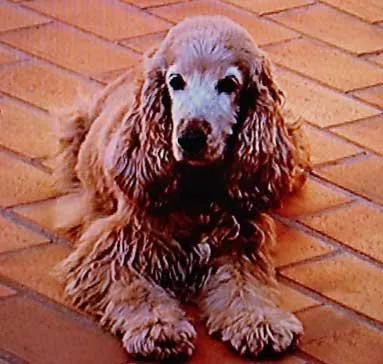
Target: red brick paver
108, 19
13, 237
326, 64
262, 30
328, 57
338, 338
372, 95
371, 11
367, 133
334, 27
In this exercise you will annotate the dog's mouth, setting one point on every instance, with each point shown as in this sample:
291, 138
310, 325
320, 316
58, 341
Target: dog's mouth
197, 150
207, 157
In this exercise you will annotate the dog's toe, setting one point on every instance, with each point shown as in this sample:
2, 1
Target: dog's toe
162, 340
253, 333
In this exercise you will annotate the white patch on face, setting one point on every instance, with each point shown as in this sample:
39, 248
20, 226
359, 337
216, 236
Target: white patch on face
235, 72
200, 99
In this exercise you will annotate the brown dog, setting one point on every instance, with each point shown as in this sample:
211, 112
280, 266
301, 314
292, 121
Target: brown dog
171, 175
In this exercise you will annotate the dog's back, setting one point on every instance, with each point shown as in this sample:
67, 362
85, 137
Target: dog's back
72, 165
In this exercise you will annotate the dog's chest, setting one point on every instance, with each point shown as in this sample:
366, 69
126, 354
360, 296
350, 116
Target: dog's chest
184, 273
178, 252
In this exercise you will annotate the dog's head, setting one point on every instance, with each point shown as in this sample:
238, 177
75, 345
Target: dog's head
209, 98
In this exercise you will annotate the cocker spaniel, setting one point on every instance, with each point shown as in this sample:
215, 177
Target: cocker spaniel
171, 169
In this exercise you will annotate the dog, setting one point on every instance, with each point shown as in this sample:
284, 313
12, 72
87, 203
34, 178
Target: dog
171, 170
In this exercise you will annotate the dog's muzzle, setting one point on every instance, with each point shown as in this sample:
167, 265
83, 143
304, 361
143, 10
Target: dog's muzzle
193, 138
193, 142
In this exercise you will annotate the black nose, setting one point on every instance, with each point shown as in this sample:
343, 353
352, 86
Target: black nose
192, 141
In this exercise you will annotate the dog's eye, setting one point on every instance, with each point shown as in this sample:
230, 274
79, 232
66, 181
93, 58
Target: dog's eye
228, 85
176, 82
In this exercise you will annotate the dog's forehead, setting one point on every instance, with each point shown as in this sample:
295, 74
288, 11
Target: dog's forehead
203, 65
207, 44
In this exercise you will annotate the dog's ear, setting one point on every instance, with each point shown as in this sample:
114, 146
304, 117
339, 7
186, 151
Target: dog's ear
143, 156
262, 154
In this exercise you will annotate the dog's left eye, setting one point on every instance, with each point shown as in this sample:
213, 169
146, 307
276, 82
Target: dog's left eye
228, 85
176, 82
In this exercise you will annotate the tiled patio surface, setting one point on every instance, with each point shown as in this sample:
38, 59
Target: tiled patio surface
328, 56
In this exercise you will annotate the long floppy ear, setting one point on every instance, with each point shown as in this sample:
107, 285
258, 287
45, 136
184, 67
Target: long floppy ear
263, 155
143, 158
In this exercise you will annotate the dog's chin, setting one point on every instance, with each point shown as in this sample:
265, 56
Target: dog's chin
198, 161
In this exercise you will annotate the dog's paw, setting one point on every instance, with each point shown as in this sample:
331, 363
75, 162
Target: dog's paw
161, 340
251, 333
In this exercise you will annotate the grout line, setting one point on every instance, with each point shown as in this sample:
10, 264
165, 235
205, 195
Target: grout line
31, 225
356, 89
31, 108
294, 7
122, 4
279, 42
25, 102
25, 159
343, 160
308, 291
171, 22
360, 197
297, 72
261, 14
308, 308
328, 240
15, 252
281, 71
161, 5
339, 245
352, 197
35, 203
347, 12
21, 56
11, 358
314, 38
46, 62
315, 259
137, 37
366, 118
370, 151
129, 47
308, 358
69, 312
319, 82
320, 212
362, 88
370, 53
26, 27
71, 28
359, 98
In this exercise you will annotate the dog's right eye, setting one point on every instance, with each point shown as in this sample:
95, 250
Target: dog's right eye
176, 82
227, 85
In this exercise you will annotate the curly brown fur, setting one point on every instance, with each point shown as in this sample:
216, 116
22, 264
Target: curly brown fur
153, 224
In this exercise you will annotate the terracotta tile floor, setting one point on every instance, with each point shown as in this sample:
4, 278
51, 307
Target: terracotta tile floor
328, 57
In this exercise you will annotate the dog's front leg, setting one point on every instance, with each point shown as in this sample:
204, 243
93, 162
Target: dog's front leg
151, 323
100, 278
238, 303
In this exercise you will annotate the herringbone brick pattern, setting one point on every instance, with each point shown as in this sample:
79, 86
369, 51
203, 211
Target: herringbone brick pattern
328, 56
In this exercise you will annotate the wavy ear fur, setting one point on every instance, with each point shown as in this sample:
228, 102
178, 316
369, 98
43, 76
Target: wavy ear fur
263, 154
142, 150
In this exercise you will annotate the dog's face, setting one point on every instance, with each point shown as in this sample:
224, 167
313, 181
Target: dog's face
204, 109
206, 95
